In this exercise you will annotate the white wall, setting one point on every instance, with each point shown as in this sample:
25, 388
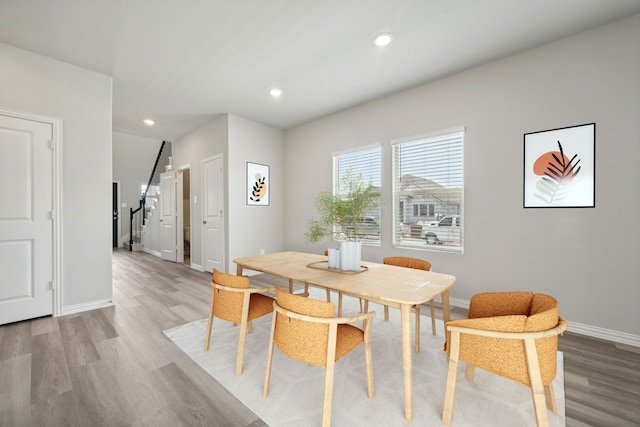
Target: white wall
252, 228
247, 228
587, 258
82, 99
206, 141
133, 160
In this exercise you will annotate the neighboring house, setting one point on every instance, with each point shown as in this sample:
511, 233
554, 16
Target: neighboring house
423, 200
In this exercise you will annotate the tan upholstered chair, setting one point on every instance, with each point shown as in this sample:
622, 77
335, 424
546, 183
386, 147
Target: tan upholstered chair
306, 330
234, 301
418, 264
512, 334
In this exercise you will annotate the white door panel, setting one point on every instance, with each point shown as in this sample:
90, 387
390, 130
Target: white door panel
213, 215
26, 226
168, 237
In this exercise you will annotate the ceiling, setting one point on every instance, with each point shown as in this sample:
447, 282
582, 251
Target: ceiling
181, 63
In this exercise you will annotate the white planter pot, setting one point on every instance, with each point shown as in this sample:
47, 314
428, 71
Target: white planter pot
350, 256
334, 258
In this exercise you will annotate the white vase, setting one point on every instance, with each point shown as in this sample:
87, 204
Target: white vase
350, 256
334, 257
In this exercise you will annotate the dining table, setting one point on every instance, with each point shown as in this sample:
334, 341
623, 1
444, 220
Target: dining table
390, 285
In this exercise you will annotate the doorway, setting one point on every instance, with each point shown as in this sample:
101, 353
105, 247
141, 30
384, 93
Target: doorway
115, 221
186, 215
29, 216
213, 237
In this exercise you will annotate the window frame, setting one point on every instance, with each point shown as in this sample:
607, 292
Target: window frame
335, 157
399, 240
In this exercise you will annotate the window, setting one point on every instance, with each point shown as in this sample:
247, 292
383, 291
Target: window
365, 163
424, 209
428, 186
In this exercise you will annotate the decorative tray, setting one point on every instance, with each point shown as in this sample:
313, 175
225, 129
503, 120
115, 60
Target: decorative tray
324, 265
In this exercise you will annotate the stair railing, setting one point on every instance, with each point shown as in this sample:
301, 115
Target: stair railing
137, 216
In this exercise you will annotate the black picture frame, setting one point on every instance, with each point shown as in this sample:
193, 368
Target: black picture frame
258, 184
560, 167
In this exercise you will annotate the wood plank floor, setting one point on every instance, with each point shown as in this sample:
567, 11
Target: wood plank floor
114, 367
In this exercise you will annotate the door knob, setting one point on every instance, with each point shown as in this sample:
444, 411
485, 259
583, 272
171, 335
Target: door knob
204, 222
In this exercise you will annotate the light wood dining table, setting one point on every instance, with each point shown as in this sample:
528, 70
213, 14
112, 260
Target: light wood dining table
394, 286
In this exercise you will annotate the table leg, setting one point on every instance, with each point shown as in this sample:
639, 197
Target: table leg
405, 315
446, 314
239, 270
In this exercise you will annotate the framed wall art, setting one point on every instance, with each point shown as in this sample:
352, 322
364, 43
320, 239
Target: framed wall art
257, 184
559, 167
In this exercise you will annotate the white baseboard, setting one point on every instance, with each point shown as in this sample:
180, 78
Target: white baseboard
605, 334
152, 252
197, 267
92, 305
460, 303
579, 328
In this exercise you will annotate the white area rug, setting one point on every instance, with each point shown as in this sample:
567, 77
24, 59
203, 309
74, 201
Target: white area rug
296, 389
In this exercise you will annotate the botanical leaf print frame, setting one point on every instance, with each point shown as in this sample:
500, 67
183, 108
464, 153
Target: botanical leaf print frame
258, 184
560, 167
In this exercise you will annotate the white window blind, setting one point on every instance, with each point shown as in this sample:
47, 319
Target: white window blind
428, 183
364, 163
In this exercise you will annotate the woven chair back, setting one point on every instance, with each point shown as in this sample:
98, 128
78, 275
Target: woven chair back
228, 305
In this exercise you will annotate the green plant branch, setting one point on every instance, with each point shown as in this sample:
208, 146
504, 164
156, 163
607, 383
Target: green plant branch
339, 213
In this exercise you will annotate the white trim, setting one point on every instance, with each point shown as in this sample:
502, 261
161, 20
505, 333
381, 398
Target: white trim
56, 137
605, 334
430, 248
197, 267
152, 252
460, 303
579, 328
86, 306
57, 222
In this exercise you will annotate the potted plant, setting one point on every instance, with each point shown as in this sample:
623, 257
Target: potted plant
342, 217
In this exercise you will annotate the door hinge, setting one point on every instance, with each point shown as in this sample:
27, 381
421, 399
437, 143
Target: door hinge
52, 215
52, 145
51, 285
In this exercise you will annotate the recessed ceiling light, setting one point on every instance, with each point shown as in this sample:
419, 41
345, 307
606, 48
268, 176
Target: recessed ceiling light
148, 122
275, 92
383, 39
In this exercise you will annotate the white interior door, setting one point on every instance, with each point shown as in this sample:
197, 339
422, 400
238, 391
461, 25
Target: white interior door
26, 214
213, 242
168, 236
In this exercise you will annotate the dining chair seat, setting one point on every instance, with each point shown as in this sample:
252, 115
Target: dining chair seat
232, 300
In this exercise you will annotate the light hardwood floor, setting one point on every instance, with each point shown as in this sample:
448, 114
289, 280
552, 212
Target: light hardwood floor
114, 367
